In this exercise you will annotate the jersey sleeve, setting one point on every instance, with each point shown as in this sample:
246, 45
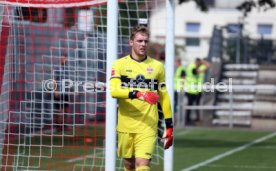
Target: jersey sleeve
164, 95
116, 89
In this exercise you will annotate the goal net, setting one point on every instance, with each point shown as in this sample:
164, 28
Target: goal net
52, 75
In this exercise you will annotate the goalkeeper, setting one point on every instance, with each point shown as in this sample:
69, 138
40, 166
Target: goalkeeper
138, 81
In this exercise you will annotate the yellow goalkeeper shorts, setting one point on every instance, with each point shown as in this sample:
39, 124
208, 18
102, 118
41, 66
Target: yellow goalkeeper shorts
136, 145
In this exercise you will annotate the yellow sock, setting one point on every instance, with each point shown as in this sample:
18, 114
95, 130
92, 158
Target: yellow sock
125, 169
143, 168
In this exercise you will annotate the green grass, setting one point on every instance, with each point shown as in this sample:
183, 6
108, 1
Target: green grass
199, 145
192, 146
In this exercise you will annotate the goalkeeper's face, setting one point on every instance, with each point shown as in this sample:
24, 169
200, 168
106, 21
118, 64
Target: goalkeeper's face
139, 45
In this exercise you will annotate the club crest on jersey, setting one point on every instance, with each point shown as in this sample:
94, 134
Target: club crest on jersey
149, 70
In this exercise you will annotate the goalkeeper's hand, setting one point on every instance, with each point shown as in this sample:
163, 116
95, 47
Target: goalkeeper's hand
148, 96
168, 134
168, 138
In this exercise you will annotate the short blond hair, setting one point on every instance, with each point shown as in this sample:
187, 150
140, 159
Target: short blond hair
139, 29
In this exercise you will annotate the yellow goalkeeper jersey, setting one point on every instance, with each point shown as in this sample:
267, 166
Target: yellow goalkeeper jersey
134, 115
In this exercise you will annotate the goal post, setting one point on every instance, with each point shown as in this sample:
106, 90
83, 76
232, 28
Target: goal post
111, 110
56, 57
170, 55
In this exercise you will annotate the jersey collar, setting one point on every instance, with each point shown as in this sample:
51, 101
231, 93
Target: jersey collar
146, 57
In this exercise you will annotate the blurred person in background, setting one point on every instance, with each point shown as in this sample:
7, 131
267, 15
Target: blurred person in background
179, 78
195, 74
61, 96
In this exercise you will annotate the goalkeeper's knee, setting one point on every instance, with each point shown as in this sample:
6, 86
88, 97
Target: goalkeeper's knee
143, 168
125, 169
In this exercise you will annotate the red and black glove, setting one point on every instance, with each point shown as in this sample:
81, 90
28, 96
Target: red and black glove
168, 134
148, 96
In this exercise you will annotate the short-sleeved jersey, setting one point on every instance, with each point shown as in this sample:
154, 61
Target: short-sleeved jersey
134, 115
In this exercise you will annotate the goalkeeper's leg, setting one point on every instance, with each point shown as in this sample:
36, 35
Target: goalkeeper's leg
143, 168
142, 164
125, 169
129, 164
144, 148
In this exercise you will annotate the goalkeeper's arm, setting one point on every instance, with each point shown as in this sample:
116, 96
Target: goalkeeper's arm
166, 107
118, 92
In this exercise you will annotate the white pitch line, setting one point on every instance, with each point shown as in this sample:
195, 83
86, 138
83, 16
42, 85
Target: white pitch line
83, 157
78, 158
227, 153
183, 132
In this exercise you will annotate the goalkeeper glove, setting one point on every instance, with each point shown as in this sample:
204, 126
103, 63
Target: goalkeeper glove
168, 134
148, 96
